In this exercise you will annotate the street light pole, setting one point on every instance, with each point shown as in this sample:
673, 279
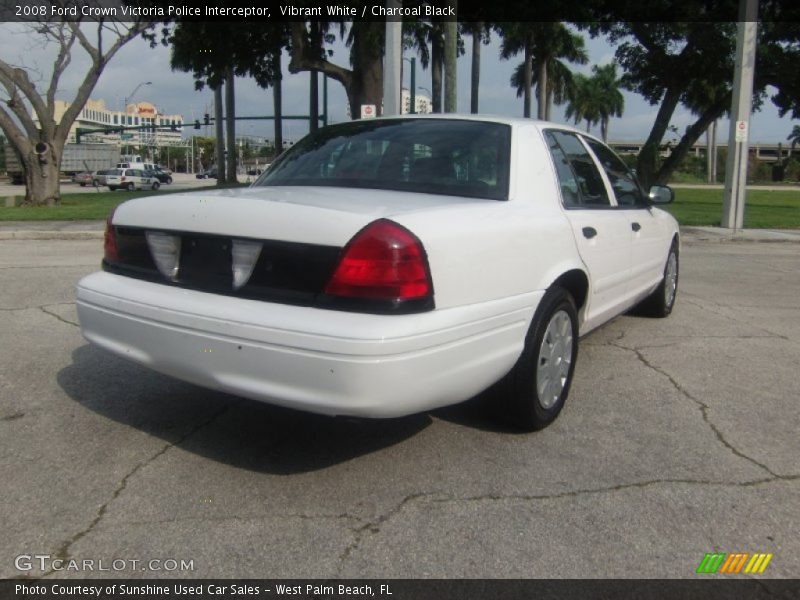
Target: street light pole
412, 86
736, 164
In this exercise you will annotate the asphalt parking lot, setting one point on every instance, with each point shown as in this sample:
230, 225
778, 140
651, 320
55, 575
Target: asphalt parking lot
680, 438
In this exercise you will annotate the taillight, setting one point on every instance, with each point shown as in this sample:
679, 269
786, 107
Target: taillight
110, 250
384, 261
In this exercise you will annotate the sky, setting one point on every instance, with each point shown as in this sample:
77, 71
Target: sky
174, 92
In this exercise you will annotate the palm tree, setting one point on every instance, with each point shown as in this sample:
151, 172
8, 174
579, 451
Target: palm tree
611, 103
544, 45
794, 137
481, 34
584, 101
518, 37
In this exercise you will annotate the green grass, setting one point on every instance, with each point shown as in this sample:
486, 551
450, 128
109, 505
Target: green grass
78, 207
764, 209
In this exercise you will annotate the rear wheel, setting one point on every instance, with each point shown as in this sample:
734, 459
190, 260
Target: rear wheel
661, 301
169, 180
130, 187
113, 188
535, 390
156, 185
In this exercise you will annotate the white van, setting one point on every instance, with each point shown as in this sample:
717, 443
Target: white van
130, 179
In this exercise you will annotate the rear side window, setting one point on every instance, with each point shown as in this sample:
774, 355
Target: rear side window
591, 190
434, 156
626, 187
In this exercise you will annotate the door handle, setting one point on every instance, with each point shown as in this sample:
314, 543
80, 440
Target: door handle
589, 232
635, 226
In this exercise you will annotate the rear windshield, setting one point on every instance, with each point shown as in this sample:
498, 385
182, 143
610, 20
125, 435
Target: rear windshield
114, 172
446, 156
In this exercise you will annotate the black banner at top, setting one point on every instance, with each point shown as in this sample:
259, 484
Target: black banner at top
379, 10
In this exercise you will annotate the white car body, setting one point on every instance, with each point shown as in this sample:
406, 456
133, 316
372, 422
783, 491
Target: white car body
491, 262
131, 179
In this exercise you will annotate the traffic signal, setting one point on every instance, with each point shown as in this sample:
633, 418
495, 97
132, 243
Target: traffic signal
206, 119
197, 124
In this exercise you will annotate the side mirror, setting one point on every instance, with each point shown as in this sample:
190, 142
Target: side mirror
661, 194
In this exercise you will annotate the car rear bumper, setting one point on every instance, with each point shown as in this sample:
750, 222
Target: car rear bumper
323, 361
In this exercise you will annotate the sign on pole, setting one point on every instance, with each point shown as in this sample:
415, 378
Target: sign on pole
367, 111
741, 131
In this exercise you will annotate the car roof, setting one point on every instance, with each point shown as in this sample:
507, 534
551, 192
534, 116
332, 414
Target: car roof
515, 122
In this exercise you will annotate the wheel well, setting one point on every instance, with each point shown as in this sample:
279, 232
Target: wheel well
576, 283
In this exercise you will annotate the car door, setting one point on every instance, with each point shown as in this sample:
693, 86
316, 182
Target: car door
649, 240
602, 235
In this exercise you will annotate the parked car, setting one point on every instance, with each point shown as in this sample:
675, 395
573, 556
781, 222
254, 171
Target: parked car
389, 266
100, 177
83, 179
130, 180
157, 173
210, 173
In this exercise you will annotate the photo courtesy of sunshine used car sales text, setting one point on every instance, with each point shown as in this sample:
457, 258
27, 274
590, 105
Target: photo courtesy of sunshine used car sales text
226, 589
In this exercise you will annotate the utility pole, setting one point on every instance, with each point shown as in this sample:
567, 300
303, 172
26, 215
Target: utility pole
218, 129
736, 164
393, 61
450, 56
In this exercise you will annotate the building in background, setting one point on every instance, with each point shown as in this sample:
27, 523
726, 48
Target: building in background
422, 103
164, 129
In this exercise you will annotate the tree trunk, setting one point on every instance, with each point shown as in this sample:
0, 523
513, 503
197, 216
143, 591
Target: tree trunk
648, 156
219, 126
367, 82
692, 134
549, 109
477, 31
450, 59
42, 179
604, 128
230, 127
277, 104
437, 61
527, 77
313, 101
542, 100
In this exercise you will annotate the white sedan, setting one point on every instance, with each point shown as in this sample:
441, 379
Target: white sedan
390, 266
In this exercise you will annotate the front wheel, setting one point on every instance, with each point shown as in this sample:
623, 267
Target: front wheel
113, 188
169, 180
130, 187
156, 185
535, 390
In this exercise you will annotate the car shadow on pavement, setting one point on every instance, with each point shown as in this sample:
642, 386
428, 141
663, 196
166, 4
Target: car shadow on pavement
242, 433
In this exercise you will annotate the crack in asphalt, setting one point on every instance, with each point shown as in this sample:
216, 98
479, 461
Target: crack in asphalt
57, 316
374, 526
63, 551
704, 408
728, 316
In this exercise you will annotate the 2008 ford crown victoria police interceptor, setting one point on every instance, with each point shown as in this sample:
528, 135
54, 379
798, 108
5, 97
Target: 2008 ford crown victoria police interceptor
390, 266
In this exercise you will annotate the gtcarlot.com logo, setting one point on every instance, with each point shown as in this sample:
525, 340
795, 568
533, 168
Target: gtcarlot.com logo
734, 563
46, 563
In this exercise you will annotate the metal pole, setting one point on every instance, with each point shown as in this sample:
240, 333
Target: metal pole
736, 165
413, 91
392, 61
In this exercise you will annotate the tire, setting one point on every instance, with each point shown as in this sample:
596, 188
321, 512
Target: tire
96, 182
113, 188
130, 187
659, 304
530, 396
169, 180
156, 185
